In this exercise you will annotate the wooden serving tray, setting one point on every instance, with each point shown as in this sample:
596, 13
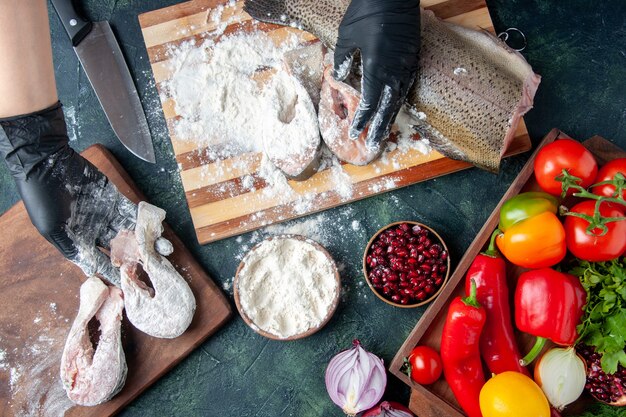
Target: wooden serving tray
219, 203
39, 301
437, 400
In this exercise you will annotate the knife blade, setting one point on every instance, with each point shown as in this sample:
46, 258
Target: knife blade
103, 62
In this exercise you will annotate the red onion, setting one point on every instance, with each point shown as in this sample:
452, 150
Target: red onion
355, 379
388, 409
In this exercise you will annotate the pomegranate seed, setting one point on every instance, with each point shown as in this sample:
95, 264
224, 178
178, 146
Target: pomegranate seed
401, 252
420, 295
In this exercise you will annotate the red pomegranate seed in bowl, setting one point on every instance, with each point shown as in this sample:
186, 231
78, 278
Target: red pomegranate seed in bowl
406, 264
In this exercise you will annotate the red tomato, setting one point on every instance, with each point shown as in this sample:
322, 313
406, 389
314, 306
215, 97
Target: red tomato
606, 173
564, 154
425, 365
592, 247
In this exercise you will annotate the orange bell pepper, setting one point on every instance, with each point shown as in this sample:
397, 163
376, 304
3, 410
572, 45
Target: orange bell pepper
537, 238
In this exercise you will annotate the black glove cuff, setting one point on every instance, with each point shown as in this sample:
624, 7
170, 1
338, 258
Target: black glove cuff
31, 138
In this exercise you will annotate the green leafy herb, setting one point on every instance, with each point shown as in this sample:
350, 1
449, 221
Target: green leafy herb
604, 322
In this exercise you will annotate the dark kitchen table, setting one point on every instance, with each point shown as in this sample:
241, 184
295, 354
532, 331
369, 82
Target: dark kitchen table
578, 47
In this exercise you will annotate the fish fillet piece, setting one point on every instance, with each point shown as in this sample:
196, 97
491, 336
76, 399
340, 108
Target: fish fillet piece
338, 104
295, 147
91, 377
472, 88
306, 65
167, 310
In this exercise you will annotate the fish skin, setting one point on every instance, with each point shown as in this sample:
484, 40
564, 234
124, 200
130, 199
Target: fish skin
472, 87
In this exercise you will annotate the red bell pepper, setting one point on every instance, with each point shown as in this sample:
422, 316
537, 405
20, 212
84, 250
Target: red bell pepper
549, 305
460, 351
497, 341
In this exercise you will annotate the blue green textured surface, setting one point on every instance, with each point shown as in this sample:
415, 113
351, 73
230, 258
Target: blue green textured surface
579, 48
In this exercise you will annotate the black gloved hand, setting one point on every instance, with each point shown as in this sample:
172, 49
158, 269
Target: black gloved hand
72, 204
387, 32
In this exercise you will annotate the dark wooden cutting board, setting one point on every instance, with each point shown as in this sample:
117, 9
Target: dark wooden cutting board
39, 300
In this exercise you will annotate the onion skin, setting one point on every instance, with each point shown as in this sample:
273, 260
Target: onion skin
355, 379
388, 409
561, 373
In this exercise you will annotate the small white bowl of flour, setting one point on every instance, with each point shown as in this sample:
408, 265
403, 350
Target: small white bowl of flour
287, 287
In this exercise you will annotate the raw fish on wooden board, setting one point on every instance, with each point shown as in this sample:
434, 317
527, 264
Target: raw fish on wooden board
338, 104
166, 310
93, 376
228, 196
472, 88
39, 298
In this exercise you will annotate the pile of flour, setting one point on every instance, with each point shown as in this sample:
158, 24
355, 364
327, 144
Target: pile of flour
234, 98
287, 286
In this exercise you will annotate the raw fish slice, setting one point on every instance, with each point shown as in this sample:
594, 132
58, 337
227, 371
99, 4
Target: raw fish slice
93, 377
167, 310
338, 105
295, 147
306, 65
472, 88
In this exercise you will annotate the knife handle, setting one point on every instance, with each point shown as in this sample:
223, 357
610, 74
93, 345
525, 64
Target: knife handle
75, 26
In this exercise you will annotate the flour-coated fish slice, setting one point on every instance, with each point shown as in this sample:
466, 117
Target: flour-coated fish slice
166, 311
93, 376
472, 88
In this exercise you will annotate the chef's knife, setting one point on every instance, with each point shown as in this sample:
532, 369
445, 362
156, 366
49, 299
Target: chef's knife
103, 62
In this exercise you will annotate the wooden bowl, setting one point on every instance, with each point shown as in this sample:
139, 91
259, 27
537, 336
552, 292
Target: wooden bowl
310, 331
369, 282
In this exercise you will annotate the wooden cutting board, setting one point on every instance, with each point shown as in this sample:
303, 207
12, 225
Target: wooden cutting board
39, 300
220, 204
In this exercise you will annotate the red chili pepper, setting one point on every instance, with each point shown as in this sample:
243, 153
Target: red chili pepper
497, 341
549, 305
460, 351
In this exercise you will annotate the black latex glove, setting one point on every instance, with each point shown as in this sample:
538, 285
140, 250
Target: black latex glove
387, 33
72, 204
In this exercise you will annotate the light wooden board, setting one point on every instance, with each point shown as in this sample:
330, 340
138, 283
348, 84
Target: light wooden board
437, 400
221, 206
39, 300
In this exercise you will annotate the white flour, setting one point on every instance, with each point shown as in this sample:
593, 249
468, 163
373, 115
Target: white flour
227, 104
235, 97
287, 286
